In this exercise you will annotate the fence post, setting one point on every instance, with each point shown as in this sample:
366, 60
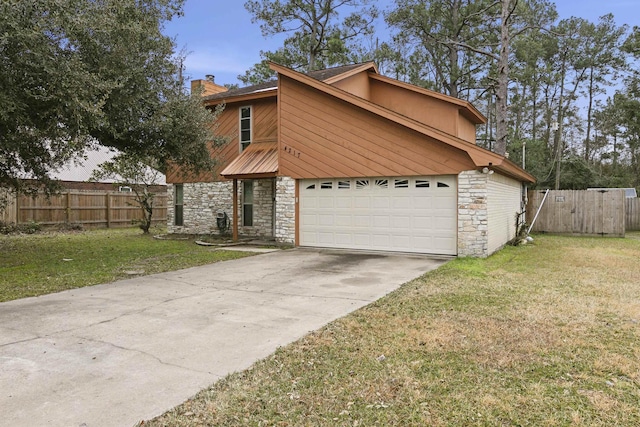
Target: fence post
108, 201
18, 195
68, 209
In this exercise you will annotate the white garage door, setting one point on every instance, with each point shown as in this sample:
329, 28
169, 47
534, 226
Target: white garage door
391, 214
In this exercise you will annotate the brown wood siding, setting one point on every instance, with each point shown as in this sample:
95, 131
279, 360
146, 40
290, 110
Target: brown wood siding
430, 111
466, 129
321, 136
265, 128
357, 85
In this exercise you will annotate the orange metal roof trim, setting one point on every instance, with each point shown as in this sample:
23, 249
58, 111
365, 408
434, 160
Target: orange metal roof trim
258, 160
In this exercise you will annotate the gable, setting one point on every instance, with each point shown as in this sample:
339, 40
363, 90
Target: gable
264, 128
323, 136
438, 112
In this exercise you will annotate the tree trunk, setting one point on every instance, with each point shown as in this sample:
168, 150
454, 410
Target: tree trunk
453, 52
560, 117
503, 82
587, 141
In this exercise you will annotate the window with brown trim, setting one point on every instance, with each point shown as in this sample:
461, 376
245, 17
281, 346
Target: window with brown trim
245, 127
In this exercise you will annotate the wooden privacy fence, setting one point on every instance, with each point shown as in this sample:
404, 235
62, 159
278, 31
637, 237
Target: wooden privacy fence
579, 212
89, 208
633, 214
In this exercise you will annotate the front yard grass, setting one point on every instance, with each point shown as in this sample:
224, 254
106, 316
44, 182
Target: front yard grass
539, 335
32, 265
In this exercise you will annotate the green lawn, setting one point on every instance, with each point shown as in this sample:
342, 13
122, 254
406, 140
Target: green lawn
38, 264
545, 334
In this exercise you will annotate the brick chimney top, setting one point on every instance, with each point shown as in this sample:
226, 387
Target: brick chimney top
208, 85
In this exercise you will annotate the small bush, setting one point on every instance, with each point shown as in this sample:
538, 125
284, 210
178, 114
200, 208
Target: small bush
13, 228
70, 226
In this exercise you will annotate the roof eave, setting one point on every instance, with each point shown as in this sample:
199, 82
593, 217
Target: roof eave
364, 67
251, 175
271, 93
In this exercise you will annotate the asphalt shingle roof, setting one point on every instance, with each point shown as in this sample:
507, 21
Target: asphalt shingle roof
320, 75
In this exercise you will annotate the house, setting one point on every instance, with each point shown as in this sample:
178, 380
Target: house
76, 174
348, 158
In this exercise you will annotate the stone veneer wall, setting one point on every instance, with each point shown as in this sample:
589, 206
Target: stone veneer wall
473, 218
201, 203
285, 209
203, 200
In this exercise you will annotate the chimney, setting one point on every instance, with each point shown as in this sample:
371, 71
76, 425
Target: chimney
208, 85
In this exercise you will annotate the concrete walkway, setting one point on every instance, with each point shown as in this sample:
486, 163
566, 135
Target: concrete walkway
115, 354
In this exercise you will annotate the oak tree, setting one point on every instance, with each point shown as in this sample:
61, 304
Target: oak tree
74, 72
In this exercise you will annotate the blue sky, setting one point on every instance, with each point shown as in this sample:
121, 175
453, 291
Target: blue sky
221, 40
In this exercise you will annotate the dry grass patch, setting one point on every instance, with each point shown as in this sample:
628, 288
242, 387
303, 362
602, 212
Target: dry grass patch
546, 335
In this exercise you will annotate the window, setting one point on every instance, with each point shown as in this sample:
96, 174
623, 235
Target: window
245, 127
401, 183
442, 185
178, 196
344, 185
421, 183
247, 203
311, 187
328, 185
382, 183
362, 184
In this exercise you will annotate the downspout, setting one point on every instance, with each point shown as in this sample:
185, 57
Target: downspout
538, 212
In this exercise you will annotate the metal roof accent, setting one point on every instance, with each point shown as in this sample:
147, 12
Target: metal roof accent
258, 160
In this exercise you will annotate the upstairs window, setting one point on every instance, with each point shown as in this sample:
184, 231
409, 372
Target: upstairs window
245, 127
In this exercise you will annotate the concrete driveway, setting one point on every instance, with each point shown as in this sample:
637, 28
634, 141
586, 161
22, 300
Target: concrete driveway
118, 353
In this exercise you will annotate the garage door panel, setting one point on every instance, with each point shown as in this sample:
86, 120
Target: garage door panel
311, 238
344, 238
361, 240
343, 202
443, 224
343, 220
326, 238
401, 202
381, 221
401, 242
326, 220
380, 202
326, 202
395, 214
443, 243
361, 202
381, 241
308, 203
308, 220
401, 222
422, 224
361, 221
425, 202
